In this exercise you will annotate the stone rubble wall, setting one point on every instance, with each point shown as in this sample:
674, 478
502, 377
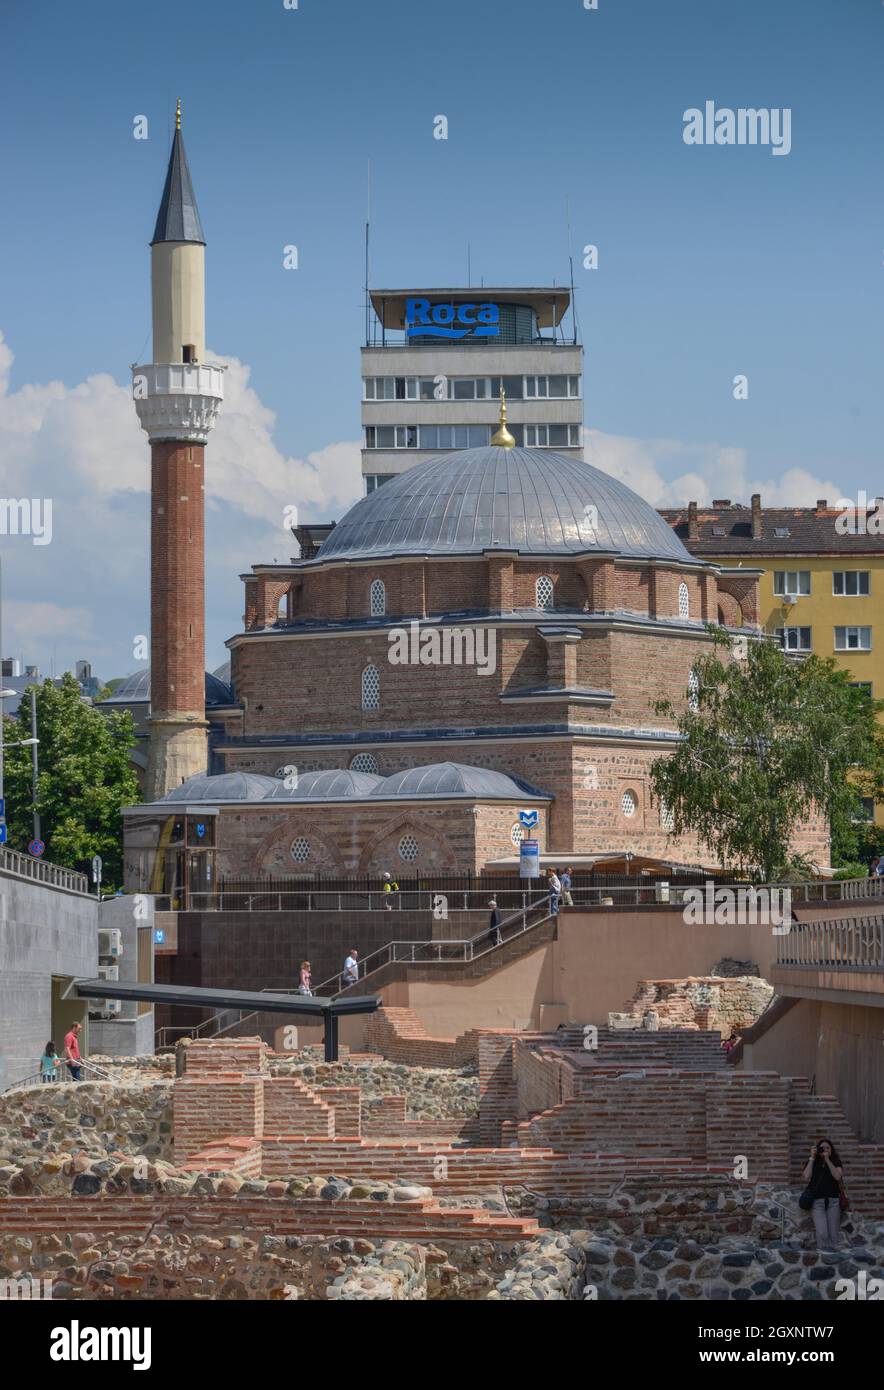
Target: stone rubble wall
727, 1005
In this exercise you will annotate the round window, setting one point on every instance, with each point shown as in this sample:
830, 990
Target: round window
628, 803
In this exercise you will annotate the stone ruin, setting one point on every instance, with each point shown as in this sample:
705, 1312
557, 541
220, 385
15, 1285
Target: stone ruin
501, 1166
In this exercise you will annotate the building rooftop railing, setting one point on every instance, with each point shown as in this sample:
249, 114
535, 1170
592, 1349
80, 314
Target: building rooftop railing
39, 871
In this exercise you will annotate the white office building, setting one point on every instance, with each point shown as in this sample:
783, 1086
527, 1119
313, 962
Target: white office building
434, 363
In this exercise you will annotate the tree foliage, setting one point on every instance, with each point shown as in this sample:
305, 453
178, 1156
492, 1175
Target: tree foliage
764, 742
85, 778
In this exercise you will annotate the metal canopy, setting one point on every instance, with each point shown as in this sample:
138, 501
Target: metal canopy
248, 1001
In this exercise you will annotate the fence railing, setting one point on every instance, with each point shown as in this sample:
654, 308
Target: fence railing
62, 1075
26, 866
282, 897
855, 943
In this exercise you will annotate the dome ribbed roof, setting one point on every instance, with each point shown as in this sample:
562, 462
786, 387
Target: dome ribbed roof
224, 786
533, 501
453, 779
327, 785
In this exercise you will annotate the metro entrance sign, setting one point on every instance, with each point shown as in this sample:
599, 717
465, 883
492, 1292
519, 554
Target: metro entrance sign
529, 859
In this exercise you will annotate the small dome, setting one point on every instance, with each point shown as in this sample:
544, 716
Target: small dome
329, 784
532, 501
455, 780
225, 786
135, 690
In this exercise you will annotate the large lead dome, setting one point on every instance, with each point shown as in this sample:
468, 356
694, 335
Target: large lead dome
532, 501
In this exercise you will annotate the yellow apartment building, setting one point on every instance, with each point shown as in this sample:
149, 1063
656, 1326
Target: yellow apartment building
822, 589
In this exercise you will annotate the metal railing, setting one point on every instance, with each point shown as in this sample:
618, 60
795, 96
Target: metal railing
441, 952
26, 866
855, 943
285, 898
62, 1075
410, 952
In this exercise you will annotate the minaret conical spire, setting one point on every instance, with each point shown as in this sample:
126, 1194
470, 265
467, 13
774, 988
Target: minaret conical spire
178, 218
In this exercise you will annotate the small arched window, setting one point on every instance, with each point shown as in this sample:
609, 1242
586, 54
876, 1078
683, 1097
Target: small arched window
544, 592
377, 598
371, 688
684, 602
693, 691
364, 762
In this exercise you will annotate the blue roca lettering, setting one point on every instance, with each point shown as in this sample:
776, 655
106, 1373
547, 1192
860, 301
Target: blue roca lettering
448, 320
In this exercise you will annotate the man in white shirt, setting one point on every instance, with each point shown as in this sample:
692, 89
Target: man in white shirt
351, 968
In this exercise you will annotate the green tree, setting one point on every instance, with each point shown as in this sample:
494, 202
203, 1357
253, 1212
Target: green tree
764, 742
84, 779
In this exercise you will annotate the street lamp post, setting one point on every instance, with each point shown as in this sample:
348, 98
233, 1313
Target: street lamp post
35, 765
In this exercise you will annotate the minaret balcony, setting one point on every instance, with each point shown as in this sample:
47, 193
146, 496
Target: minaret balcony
178, 400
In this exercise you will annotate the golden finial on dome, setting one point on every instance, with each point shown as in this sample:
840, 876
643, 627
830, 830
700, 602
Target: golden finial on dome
502, 437
178, 115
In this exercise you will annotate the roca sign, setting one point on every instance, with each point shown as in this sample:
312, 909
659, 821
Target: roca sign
448, 320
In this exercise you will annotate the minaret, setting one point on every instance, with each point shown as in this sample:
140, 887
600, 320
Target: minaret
177, 397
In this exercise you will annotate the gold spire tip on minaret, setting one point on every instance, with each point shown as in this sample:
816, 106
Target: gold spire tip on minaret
502, 437
178, 115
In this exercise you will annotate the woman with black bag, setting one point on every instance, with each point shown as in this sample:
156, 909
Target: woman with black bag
824, 1195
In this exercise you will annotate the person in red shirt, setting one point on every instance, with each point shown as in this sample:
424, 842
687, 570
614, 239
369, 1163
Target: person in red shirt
72, 1052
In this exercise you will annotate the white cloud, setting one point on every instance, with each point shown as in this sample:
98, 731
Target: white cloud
670, 473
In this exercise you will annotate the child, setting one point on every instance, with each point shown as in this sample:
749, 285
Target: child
48, 1063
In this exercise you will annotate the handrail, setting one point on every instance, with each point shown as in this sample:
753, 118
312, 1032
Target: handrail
313, 898
410, 948
838, 943
468, 953
62, 1075
12, 861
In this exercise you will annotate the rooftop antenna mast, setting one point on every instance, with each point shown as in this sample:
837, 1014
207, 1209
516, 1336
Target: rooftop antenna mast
367, 226
571, 265
469, 268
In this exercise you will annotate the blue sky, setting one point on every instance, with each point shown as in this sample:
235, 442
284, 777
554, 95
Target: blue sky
712, 261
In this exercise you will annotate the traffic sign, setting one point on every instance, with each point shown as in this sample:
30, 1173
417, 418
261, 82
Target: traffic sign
36, 847
3, 832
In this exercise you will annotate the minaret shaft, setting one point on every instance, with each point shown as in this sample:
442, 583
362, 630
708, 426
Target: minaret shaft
177, 397
178, 283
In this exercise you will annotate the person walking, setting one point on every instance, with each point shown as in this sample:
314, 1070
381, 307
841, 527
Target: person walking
555, 890
567, 900
49, 1063
824, 1173
351, 967
72, 1052
305, 983
494, 936
390, 887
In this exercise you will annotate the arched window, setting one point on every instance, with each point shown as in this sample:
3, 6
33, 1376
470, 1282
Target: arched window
629, 804
667, 817
684, 602
364, 762
544, 592
693, 691
300, 850
371, 688
377, 597
408, 849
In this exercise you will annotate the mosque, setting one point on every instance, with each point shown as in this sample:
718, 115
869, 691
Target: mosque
484, 634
